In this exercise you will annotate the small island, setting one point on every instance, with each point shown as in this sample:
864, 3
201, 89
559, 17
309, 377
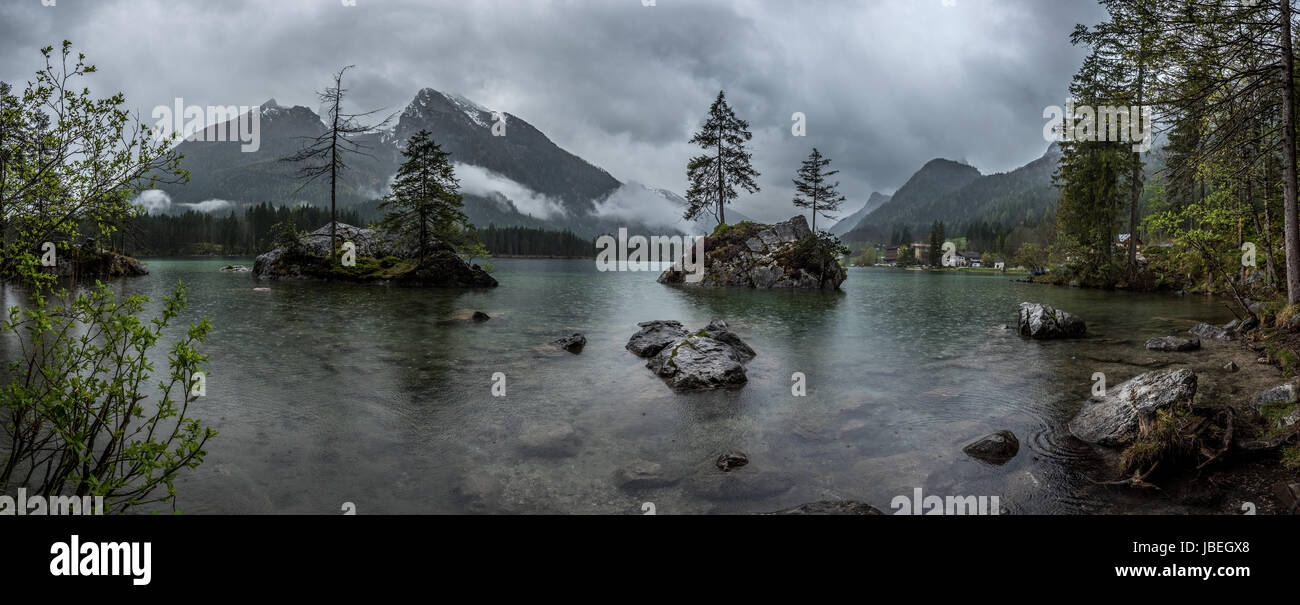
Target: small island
784, 256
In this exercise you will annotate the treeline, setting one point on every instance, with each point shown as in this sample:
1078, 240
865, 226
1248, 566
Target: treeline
201, 234
250, 233
525, 241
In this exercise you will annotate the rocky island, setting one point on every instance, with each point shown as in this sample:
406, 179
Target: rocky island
381, 257
784, 256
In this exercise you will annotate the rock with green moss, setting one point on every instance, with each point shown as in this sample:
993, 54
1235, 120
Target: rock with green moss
381, 257
784, 256
1113, 420
92, 262
712, 358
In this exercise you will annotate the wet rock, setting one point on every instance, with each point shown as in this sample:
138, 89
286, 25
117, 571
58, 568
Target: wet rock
1113, 419
831, 507
1289, 420
1043, 322
572, 344
762, 257
1250, 324
712, 358
1283, 394
731, 461
1173, 344
236, 269
643, 474
997, 448
550, 440
479, 491
654, 336
1230, 367
699, 363
743, 484
1210, 332
1288, 494
480, 316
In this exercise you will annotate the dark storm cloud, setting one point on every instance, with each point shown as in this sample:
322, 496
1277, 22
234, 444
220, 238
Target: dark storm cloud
885, 85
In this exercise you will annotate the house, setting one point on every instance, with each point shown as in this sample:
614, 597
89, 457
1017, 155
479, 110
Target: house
1122, 242
1000, 265
891, 255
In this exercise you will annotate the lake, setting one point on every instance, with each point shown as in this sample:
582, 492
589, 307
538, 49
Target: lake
382, 397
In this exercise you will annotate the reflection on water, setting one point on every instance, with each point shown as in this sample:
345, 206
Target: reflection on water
332, 393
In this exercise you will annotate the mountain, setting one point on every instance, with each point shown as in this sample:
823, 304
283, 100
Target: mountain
851, 221
958, 195
520, 179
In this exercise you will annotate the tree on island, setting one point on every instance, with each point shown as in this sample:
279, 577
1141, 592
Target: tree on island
715, 175
425, 201
812, 189
323, 156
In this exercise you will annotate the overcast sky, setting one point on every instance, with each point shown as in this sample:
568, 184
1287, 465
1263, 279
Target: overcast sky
886, 85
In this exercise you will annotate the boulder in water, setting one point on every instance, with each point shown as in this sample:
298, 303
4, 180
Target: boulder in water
1113, 420
1043, 322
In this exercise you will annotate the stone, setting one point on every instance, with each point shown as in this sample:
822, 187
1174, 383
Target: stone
550, 440
573, 343
1289, 420
480, 316
654, 336
643, 474
1113, 420
831, 508
1043, 322
1230, 367
763, 257
1174, 344
731, 461
1283, 394
1210, 332
997, 448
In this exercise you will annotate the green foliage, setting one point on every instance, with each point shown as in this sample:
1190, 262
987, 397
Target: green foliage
425, 202
79, 419
724, 165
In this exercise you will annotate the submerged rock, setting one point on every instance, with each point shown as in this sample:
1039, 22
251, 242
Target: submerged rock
997, 448
1230, 367
1043, 322
550, 440
1173, 343
1210, 332
1113, 419
236, 269
831, 507
775, 257
480, 316
643, 474
731, 461
572, 344
712, 358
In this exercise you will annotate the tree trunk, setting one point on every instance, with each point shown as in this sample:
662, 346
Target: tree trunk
334, 178
722, 186
1136, 184
1292, 222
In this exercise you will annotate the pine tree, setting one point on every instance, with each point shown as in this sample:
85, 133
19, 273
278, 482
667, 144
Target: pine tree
425, 201
812, 189
725, 165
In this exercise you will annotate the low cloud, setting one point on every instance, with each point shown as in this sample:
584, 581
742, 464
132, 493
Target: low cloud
482, 182
156, 201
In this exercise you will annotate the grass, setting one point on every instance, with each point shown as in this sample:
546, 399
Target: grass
1162, 438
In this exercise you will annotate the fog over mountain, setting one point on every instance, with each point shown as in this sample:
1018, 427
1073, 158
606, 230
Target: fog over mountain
617, 84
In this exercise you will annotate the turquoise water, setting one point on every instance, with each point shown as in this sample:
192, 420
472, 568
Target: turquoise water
333, 393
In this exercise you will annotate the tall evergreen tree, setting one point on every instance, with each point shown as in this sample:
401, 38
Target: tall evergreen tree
813, 191
425, 201
725, 165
